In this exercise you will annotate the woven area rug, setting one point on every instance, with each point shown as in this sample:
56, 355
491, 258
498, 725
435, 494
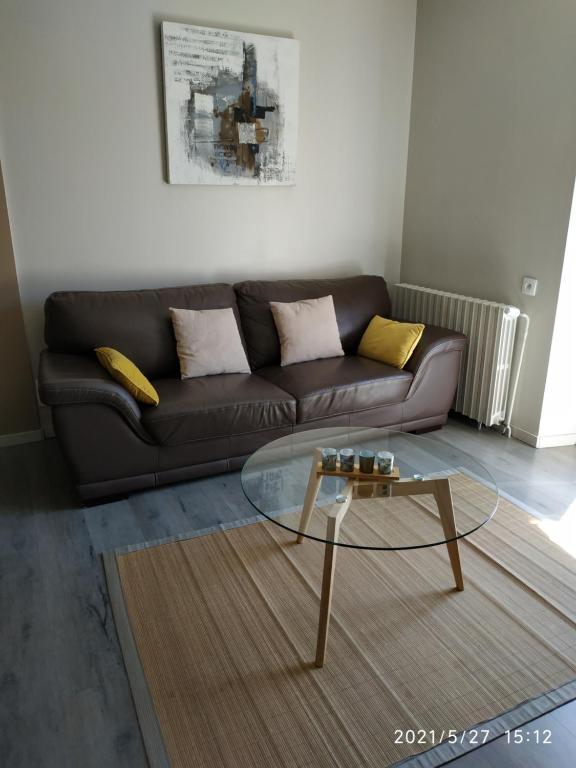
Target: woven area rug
218, 633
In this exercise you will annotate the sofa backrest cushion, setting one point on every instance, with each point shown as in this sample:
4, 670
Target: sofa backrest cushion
356, 300
136, 323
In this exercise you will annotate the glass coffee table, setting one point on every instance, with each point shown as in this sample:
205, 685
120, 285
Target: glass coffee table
433, 495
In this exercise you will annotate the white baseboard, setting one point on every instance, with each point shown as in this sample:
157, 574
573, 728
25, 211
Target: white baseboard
555, 441
19, 438
525, 437
543, 441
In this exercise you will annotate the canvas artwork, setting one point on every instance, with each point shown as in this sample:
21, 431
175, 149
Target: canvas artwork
231, 106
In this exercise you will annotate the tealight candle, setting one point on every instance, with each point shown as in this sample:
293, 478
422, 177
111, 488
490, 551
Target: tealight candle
385, 461
329, 458
347, 457
366, 462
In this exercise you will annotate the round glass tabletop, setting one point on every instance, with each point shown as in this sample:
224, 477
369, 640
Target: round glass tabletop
434, 494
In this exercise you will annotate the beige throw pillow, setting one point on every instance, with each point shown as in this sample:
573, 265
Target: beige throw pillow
208, 342
307, 330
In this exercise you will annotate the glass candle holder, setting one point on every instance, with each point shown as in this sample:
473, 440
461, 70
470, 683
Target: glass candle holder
385, 461
366, 462
329, 458
347, 458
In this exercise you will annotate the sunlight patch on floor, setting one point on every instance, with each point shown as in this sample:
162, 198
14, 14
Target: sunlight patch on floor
563, 531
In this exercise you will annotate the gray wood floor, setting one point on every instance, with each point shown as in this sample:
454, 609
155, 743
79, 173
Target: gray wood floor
538, 749
543, 479
64, 697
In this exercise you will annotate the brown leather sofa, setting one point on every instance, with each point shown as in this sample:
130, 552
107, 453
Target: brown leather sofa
212, 424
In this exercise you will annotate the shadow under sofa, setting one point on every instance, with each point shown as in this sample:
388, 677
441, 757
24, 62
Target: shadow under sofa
211, 424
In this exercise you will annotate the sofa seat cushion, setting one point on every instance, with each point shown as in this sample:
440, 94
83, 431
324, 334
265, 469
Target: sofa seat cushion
339, 385
216, 406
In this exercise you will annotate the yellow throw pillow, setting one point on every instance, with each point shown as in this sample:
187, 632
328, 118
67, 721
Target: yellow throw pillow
126, 373
389, 341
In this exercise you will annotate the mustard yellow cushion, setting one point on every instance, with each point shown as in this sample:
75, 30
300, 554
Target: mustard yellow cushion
126, 373
389, 341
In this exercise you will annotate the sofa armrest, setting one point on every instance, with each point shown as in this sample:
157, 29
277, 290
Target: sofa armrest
435, 341
73, 379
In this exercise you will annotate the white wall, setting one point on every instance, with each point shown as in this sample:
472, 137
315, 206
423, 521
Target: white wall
81, 122
558, 421
492, 160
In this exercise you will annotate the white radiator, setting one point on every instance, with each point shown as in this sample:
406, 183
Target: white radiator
496, 340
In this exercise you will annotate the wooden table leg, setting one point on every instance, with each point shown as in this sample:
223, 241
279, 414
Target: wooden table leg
335, 518
325, 602
312, 489
441, 492
443, 496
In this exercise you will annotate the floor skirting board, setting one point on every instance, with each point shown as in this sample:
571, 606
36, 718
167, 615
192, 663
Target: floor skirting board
19, 438
555, 441
544, 441
524, 436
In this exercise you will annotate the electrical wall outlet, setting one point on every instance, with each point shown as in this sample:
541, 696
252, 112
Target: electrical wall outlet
529, 286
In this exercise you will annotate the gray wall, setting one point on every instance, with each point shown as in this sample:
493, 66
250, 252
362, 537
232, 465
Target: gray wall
492, 159
81, 121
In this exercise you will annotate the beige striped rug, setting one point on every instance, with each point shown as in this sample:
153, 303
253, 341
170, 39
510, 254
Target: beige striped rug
218, 633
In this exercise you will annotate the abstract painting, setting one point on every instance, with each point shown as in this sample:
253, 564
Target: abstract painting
231, 106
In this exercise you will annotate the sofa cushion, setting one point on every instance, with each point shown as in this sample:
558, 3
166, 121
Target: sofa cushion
307, 330
136, 323
123, 370
356, 301
389, 341
216, 406
208, 342
339, 385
